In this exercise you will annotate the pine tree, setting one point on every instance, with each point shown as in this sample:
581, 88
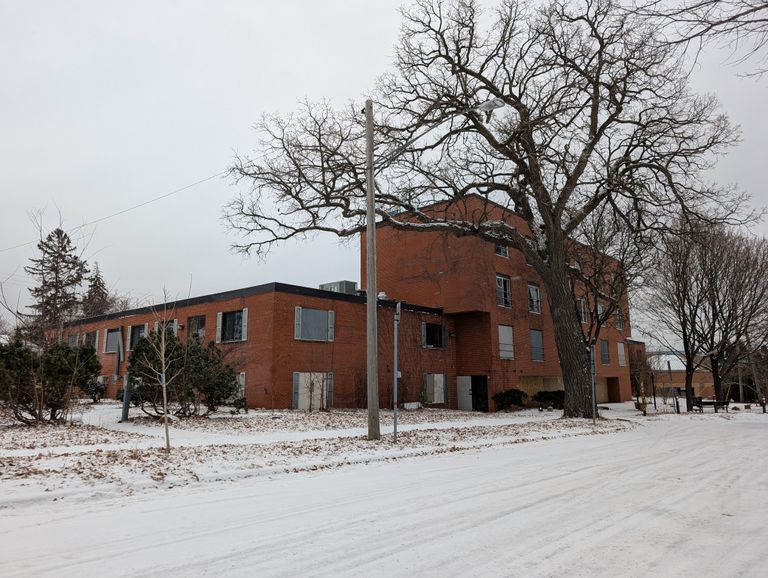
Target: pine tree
59, 272
97, 300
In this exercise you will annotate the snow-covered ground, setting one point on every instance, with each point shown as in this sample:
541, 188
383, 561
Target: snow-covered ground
664, 495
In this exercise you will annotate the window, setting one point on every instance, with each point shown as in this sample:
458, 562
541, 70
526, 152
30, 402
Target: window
605, 352
600, 314
537, 345
503, 291
506, 342
112, 341
196, 326
135, 333
72, 340
171, 325
313, 324
621, 354
232, 326
618, 320
502, 250
435, 388
582, 310
432, 335
91, 339
534, 298
312, 391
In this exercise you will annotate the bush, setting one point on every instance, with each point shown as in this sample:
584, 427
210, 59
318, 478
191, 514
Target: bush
508, 398
95, 391
555, 399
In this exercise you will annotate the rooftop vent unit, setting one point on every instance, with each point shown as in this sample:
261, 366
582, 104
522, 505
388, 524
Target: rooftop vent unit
349, 287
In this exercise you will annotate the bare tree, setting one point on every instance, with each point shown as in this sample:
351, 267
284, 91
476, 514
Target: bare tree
598, 113
740, 25
674, 298
733, 319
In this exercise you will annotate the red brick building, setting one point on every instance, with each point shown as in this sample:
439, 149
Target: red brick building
475, 322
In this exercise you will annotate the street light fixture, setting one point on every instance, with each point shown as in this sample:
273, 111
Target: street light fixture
372, 332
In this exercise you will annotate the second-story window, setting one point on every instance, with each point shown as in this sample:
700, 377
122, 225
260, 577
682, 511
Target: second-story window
618, 320
196, 326
605, 352
232, 325
503, 291
502, 250
534, 298
582, 310
432, 335
313, 324
537, 345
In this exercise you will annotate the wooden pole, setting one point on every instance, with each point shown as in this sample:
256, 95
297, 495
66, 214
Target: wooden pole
374, 431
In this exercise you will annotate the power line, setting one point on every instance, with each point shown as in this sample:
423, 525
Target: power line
123, 211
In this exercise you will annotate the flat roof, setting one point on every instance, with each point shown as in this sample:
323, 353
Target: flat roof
256, 290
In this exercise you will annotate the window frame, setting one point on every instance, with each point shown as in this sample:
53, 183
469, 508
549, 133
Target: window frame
605, 352
582, 310
534, 303
220, 319
510, 345
501, 250
197, 331
330, 324
503, 296
425, 334
426, 388
621, 353
531, 333
118, 331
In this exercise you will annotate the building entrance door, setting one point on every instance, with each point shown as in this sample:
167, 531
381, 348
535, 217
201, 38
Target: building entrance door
472, 392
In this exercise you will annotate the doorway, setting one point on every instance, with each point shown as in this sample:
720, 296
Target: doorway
472, 392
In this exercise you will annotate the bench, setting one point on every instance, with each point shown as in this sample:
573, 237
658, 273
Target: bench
700, 403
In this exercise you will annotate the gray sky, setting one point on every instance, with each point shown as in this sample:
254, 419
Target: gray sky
104, 105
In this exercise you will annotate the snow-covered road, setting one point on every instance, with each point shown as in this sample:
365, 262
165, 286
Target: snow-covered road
678, 496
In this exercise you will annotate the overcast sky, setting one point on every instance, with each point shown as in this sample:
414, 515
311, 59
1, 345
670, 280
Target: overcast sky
104, 105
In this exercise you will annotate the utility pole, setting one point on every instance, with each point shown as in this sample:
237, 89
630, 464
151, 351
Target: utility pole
394, 368
371, 295
593, 370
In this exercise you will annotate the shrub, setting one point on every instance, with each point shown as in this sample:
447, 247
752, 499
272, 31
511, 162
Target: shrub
95, 391
556, 399
508, 398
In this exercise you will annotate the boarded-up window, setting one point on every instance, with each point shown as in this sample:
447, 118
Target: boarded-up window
621, 354
506, 342
537, 345
605, 352
313, 324
112, 342
435, 388
312, 391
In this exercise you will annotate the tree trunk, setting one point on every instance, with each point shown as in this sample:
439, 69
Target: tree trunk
718, 380
574, 354
688, 387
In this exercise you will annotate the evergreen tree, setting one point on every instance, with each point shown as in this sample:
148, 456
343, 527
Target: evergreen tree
97, 300
59, 272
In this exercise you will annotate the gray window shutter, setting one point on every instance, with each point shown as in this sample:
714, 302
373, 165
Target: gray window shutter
175, 326
296, 379
423, 333
128, 343
157, 325
218, 327
146, 330
104, 349
245, 324
97, 342
331, 324
297, 323
445, 388
329, 394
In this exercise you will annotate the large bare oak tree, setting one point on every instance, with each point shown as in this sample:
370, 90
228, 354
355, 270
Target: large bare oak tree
598, 116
